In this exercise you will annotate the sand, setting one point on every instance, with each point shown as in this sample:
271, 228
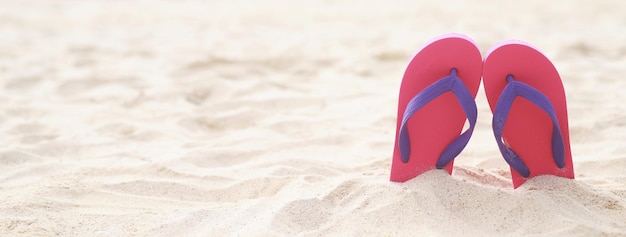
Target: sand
277, 118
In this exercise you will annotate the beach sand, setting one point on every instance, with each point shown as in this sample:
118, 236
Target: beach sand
277, 118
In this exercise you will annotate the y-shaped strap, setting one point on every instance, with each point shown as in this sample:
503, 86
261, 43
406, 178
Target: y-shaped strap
452, 84
501, 113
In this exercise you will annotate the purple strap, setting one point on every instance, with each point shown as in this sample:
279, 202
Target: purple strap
501, 113
452, 84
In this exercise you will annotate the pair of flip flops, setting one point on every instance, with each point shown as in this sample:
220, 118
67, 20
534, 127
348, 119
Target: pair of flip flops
525, 94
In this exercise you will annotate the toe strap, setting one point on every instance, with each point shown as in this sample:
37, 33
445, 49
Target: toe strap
512, 90
452, 84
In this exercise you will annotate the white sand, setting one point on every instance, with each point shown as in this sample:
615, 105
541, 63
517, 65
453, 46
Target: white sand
276, 118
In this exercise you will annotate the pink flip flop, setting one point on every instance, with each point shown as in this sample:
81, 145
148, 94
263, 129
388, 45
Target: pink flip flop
527, 99
436, 98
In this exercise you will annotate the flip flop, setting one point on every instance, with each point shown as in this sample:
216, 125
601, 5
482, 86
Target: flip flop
527, 100
436, 98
